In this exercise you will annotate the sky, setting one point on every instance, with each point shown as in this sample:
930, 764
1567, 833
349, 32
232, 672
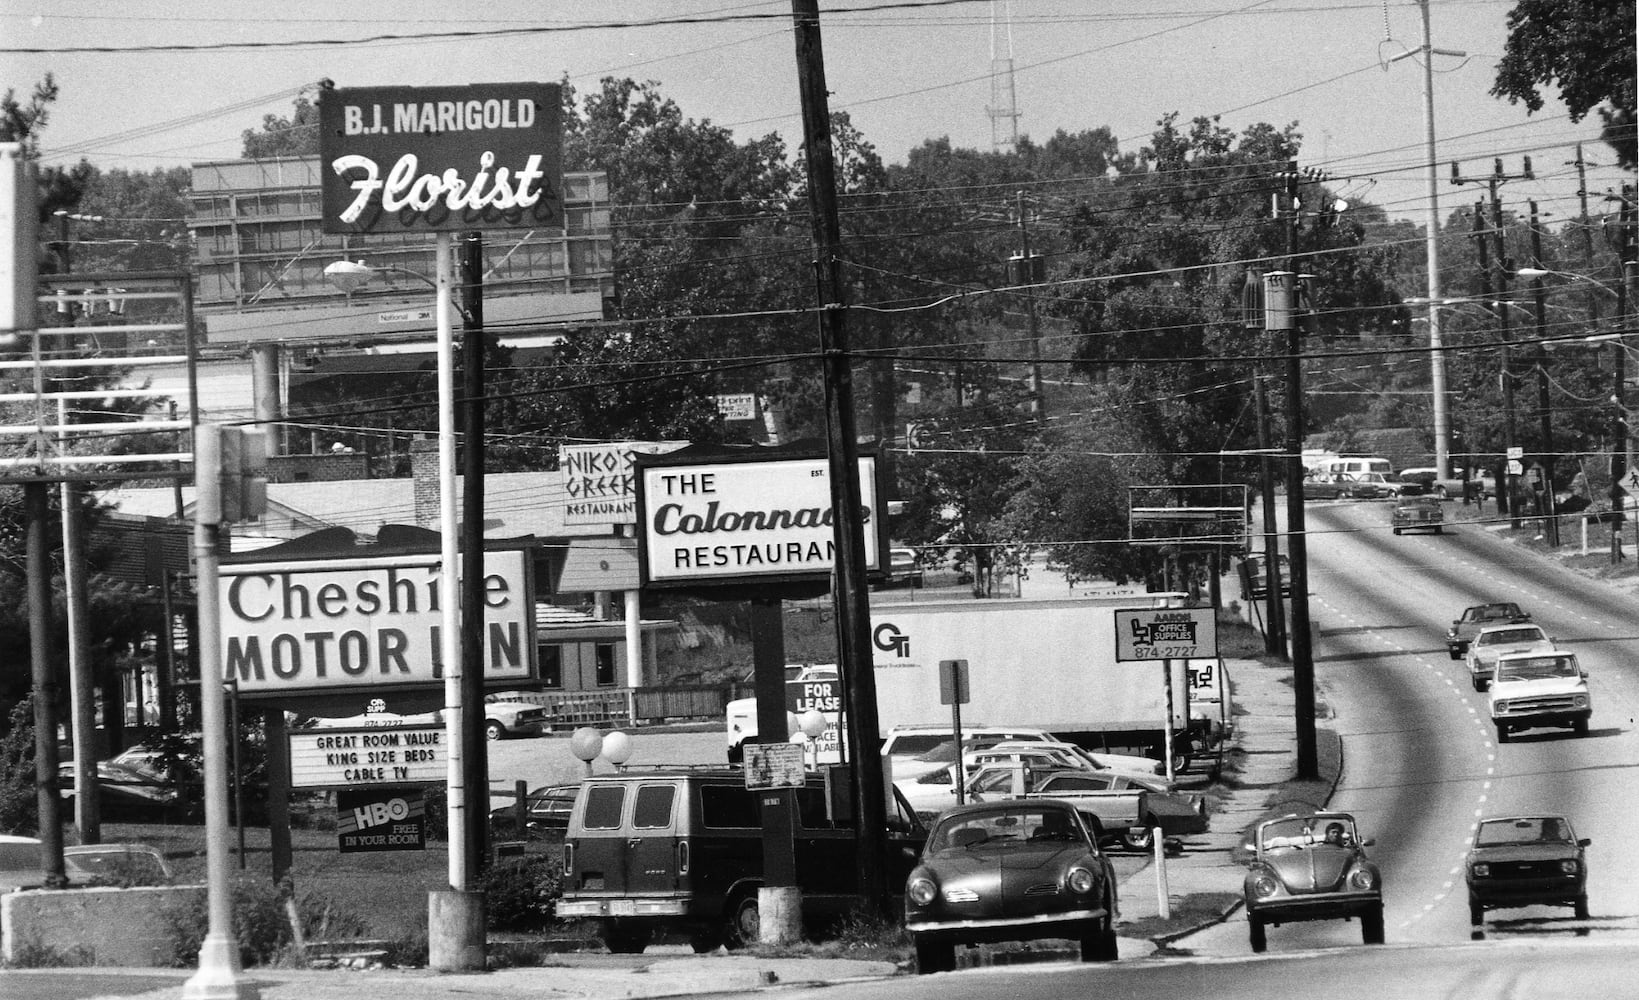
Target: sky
906, 72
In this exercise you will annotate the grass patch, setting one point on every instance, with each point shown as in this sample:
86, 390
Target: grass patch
1188, 913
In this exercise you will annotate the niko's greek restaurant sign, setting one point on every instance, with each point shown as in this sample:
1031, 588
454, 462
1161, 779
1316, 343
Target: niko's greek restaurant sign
333, 624
726, 521
484, 156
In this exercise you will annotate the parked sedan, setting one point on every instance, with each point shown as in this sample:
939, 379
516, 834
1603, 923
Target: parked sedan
1344, 486
1130, 806
1311, 867
1010, 871
1526, 861
546, 813
1497, 640
1417, 514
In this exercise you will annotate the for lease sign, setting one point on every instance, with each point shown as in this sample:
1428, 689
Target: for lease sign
348, 623
726, 521
484, 156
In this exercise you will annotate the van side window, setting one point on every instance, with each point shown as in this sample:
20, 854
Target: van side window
653, 809
728, 806
811, 809
603, 807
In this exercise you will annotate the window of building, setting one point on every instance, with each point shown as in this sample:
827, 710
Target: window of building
551, 658
605, 653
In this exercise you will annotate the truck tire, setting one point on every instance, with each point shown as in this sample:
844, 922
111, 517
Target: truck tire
1260, 940
1580, 727
1502, 733
743, 920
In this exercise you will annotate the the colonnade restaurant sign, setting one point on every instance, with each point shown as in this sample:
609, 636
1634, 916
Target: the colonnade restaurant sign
300, 626
725, 521
485, 156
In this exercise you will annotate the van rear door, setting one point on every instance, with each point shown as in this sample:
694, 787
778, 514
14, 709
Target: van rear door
652, 856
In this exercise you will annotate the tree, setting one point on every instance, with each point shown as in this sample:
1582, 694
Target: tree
297, 135
1586, 47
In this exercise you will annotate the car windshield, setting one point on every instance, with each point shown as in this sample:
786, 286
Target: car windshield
1532, 668
1491, 611
1508, 635
1005, 829
1524, 830
1302, 831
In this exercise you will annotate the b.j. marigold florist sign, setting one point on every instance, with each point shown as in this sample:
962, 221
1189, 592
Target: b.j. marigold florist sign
724, 522
485, 156
333, 624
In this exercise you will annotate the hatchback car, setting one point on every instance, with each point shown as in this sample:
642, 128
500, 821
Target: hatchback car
1010, 871
1498, 640
1417, 514
1311, 867
1526, 861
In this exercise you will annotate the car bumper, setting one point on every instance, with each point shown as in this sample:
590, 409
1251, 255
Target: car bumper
626, 906
1559, 891
1332, 906
1063, 923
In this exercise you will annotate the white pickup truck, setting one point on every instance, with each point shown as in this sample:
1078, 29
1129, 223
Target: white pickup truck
1540, 688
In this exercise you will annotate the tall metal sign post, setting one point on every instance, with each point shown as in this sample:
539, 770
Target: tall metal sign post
442, 160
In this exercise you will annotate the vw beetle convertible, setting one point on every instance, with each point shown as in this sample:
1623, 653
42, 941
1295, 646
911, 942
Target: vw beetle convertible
1011, 871
1312, 867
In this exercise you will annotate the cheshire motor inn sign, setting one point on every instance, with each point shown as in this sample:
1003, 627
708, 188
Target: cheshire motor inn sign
482, 156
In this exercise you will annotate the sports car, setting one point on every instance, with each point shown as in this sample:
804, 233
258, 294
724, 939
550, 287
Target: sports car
1011, 871
1311, 867
1526, 861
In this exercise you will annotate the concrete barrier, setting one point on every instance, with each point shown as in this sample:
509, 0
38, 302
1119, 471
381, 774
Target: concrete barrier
94, 927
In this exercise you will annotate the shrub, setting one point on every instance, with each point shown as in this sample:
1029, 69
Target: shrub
261, 923
19, 802
521, 894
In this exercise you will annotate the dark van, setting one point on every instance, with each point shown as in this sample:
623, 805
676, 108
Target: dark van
680, 852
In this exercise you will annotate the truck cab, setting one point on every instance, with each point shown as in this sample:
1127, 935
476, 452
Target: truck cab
1535, 689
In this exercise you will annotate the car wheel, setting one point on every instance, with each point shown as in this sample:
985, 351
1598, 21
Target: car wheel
1502, 733
1475, 682
493, 730
1138, 838
1453, 653
1439, 529
934, 956
1580, 727
1440, 492
622, 939
1260, 940
1098, 941
1371, 926
1581, 907
744, 920
1476, 912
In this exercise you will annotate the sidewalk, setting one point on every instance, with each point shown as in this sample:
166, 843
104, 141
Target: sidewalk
1263, 745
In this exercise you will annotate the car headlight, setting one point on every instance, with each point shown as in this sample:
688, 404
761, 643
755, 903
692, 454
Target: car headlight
1265, 885
1481, 869
1580, 701
1363, 879
1080, 880
1500, 705
921, 890
1569, 866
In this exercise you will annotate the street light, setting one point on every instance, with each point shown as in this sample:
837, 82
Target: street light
349, 276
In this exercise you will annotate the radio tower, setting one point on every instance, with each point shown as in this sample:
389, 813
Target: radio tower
1002, 105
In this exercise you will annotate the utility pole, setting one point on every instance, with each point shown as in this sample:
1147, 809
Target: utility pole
1030, 270
850, 594
1550, 519
1619, 423
475, 752
1284, 291
1499, 271
1275, 605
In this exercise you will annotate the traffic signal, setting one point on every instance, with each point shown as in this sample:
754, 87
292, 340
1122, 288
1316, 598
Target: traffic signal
230, 473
